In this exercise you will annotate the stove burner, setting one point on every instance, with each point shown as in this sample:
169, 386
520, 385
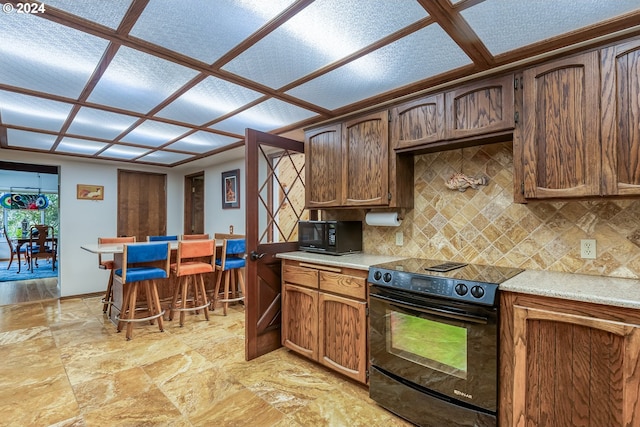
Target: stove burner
446, 266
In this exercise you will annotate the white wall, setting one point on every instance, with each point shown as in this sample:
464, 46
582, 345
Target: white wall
83, 221
218, 220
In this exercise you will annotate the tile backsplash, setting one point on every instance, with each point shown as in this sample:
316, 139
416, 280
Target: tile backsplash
485, 226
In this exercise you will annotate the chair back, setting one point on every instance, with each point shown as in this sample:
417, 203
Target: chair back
141, 261
9, 242
112, 240
233, 251
195, 236
38, 235
195, 257
221, 236
162, 238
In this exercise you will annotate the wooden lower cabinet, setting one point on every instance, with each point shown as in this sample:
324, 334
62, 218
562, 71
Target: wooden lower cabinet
324, 316
567, 363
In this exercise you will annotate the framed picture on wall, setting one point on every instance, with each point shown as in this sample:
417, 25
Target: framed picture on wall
90, 192
231, 189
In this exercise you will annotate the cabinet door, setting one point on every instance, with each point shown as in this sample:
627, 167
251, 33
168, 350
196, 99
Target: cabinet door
300, 320
323, 164
365, 155
566, 366
480, 108
343, 336
620, 88
561, 128
419, 122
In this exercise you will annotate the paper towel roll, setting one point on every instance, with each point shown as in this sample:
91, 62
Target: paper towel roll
382, 219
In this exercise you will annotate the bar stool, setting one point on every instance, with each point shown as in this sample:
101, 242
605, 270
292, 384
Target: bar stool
190, 268
140, 267
230, 264
108, 264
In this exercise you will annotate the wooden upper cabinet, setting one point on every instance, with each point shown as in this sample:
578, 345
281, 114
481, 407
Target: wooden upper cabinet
323, 174
365, 160
620, 86
562, 128
418, 122
480, 108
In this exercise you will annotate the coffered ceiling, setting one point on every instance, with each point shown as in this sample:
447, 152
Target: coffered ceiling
166, 82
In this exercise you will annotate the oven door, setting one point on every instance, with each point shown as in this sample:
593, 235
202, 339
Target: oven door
440, 345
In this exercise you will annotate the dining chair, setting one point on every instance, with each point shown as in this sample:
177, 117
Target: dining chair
194, 259
162, 238
144, 264
204, 236
42, 245
12, 250
109, 264
230, 265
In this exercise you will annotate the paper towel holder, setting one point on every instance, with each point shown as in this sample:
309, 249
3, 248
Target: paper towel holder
383, 219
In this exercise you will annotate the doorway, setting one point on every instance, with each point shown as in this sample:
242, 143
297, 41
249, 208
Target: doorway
29, 195
194, 203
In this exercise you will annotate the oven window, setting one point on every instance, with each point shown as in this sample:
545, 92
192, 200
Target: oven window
436, 345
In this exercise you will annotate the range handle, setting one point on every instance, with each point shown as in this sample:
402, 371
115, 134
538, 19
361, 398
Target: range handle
434, 311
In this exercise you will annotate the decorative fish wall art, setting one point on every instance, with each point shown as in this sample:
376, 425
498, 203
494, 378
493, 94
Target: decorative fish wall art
461, 182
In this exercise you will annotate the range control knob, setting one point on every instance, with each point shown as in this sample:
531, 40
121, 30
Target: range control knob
377, 275
477, 291
387, 277
461, 289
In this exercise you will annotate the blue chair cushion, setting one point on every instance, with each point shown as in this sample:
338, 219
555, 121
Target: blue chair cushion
147, 252
137, 274
236, 246
162, 238
231, 263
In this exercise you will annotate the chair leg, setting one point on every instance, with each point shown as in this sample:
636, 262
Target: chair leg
226, 294
108, 296
125, 305
133, 295
174, 300
203, 295
215, 296
183, 303
10, 261
240, 273
156, 302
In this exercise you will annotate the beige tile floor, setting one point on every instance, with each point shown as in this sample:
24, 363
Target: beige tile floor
63, 364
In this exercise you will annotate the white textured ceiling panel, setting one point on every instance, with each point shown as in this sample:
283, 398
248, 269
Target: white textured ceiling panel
168, 82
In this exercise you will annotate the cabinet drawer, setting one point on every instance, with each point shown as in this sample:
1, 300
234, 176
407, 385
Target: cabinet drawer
343, 284
300, 276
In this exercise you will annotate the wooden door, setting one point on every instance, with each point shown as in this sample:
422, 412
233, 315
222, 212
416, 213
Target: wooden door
418, 122
300, 320
194, 204
568, 363
142, 204
343, 335
562, 128
270, 207
480, 108
323, 150
620, 74
365, 160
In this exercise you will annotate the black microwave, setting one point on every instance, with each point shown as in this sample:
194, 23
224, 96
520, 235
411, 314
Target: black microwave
330, 237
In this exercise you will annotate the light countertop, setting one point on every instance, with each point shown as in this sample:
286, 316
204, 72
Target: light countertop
577, 287
359, 261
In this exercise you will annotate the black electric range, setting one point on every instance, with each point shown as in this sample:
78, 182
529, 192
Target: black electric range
471, 283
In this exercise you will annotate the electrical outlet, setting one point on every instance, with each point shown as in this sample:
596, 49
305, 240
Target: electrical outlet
588, 248
399, 238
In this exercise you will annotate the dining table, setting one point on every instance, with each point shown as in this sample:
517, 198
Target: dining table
20, 241
117, 249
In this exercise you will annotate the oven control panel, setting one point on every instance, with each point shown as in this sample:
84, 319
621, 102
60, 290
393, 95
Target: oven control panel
450, 288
